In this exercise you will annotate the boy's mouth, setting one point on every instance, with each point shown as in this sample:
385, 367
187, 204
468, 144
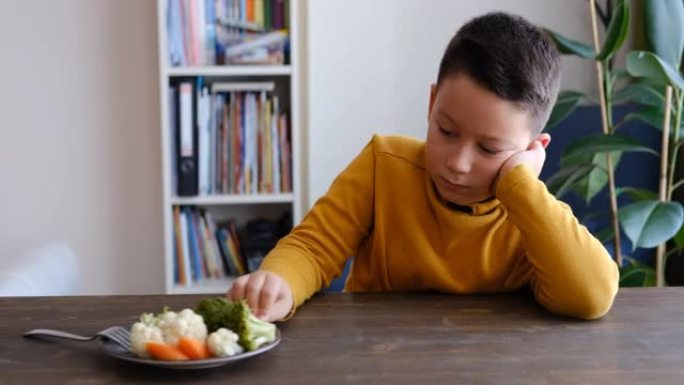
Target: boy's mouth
452, 186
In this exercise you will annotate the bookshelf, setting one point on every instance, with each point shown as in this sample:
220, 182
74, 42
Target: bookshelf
232, 206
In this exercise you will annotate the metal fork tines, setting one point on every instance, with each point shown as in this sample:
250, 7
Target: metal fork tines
118, 334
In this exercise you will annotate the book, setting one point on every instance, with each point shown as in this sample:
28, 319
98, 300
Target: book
279, 14
275, 147
252, 42
204, 136
259, 12
173, 124
187, 257
239, 260
213, 268
225, 252
200, 270
210, 32
209, 41
182, 276
175, 37
186, 141
221, 269
230, 140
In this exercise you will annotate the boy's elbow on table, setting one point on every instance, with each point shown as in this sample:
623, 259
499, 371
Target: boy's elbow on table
595, 307
586, 304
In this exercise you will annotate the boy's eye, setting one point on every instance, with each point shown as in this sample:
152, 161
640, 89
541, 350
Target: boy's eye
446, 132
489, 150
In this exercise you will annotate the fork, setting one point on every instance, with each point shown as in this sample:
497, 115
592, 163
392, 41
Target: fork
118, 334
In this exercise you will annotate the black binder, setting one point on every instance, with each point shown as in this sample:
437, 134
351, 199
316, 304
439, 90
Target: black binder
187, 143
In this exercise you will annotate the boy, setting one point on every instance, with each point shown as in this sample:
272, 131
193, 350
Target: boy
463, 212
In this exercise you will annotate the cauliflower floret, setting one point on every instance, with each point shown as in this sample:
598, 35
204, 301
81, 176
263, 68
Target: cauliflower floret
144, 331
186, 323
223, 343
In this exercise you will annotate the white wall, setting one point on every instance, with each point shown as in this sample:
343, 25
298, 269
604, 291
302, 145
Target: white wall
79, 112
371, 64
79, 144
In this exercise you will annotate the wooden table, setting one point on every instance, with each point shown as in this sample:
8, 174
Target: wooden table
376, 339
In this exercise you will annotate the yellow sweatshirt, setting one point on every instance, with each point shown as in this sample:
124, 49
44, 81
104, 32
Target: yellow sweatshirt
383, 211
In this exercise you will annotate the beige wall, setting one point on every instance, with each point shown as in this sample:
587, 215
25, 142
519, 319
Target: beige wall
79, 137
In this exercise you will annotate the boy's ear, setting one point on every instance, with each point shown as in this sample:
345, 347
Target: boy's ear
544, 138
433, 94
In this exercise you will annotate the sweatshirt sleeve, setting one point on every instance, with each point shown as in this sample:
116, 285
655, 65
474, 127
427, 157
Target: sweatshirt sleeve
572, 273
314, 253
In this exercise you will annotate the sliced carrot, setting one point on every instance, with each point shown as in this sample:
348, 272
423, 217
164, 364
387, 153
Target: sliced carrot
193, 348
164, 351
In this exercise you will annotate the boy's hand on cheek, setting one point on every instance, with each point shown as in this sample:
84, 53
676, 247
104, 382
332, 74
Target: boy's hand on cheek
533, 157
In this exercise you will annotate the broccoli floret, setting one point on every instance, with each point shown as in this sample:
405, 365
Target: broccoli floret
214, 311
236, 316
252, 331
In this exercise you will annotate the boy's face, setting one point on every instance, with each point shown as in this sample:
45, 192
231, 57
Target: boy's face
471, 132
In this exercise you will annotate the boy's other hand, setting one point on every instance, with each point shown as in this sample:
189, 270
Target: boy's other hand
534, 157
267, 294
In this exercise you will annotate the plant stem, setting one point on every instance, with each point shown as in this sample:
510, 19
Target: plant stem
675, 142
677, 185
663, 191
665, 182
606, 131
609, 97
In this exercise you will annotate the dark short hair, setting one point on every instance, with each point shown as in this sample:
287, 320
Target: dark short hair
509, 56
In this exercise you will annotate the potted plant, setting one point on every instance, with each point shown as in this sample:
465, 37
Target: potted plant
651, 80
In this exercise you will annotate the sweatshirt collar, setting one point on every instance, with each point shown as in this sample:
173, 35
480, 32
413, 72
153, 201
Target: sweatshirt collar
438, 203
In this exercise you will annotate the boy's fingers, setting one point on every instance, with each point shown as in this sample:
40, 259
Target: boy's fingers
269, 293
253, 290
237, 291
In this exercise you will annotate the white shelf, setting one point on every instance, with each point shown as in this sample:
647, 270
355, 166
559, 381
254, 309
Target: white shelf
236, 207
233, 199
208, 286
254, 70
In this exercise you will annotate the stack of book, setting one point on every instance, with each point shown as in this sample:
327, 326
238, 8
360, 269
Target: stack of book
235, 141
209, 32
203, 250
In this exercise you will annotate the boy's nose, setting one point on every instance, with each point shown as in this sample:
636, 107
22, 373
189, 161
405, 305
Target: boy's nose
459, 163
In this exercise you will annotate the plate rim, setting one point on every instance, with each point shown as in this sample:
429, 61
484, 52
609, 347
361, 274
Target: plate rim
189, 364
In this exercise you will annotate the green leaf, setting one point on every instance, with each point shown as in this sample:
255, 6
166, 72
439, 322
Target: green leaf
605, 235
641, 93
664, 29
617, 32
650, 223
648, 65
561, 182
571, 47
637, 194
653, 116
619, 74
589, 186
567, 102
595, 144
637, 274
679, 238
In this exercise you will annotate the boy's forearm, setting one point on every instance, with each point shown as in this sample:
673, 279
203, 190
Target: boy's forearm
315, 252
573, 274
